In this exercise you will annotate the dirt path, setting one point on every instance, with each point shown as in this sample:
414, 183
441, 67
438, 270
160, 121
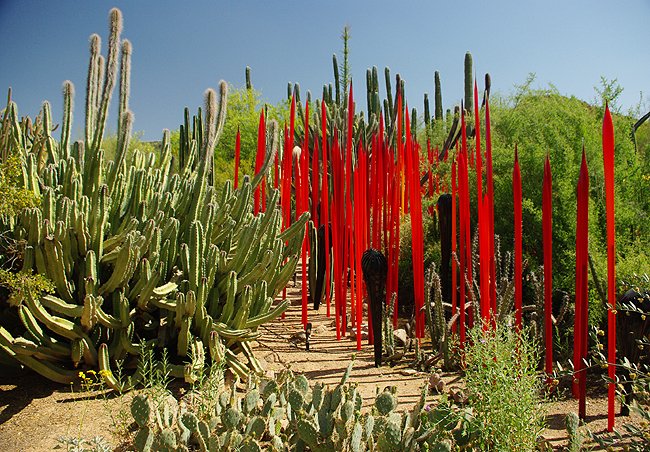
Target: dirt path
35, 412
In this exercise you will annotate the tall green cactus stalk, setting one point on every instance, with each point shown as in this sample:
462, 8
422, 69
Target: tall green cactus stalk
427, 113
68, 95
437, 97
469, 84
249, 84
138, 250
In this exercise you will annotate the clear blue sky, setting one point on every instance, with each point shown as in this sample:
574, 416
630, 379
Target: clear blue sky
181, 48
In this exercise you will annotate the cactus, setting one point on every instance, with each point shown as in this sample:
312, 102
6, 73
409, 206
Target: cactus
133, 242
437, 100
144, 440
328, 419
469, 86
576, 437
385, 403
390, 438
142, 410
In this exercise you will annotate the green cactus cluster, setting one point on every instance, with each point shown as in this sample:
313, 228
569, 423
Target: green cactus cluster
289, 414
141, 249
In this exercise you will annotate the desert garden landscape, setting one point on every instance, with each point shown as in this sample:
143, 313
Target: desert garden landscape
333, 273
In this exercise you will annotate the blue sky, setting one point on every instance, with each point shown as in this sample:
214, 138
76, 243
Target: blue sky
182, 48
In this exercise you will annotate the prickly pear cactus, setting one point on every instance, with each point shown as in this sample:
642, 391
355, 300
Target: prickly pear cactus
262, 418
140, 246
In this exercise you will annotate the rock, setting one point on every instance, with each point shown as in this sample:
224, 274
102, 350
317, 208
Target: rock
272, 358
436, 383
409, 372
395, 357
458, 395
320, 329
400, 337
364, 333
299, 337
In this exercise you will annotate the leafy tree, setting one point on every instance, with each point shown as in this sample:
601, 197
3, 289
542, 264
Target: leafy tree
543, 121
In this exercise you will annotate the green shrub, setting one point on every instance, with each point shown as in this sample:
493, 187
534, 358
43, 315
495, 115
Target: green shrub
504, 389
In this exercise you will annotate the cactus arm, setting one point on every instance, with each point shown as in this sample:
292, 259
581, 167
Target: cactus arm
109, 79
34, 329
44, 368
61, 307
254, 322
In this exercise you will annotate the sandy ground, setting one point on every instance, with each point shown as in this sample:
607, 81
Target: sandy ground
35, 412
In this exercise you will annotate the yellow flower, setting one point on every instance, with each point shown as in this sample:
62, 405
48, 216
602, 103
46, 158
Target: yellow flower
82, 375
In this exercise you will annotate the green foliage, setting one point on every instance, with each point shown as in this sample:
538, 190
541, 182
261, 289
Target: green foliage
13, 196
504, 389
146, 148
22, 285
541, 122
608, 92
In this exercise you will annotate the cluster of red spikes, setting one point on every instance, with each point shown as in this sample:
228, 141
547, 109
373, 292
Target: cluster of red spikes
360, 191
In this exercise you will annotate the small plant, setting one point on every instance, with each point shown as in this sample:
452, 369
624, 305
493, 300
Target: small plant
96, 444
576, 437
504, 388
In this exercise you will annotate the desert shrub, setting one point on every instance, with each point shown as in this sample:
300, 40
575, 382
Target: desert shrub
504, 389
541, 122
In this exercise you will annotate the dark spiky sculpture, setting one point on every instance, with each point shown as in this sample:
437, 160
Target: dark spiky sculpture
319, 286
375, 270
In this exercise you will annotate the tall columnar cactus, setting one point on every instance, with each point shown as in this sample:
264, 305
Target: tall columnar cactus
438, 96
469, 80
138, 251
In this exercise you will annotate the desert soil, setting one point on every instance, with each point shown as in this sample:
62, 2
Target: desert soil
34, 412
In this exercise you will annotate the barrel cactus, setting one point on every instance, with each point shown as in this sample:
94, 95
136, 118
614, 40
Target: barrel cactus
143, 250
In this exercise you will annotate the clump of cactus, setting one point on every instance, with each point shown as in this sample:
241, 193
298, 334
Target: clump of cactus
290, 414
142, 251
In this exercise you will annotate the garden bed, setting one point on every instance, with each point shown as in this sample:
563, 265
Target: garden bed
36, 412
